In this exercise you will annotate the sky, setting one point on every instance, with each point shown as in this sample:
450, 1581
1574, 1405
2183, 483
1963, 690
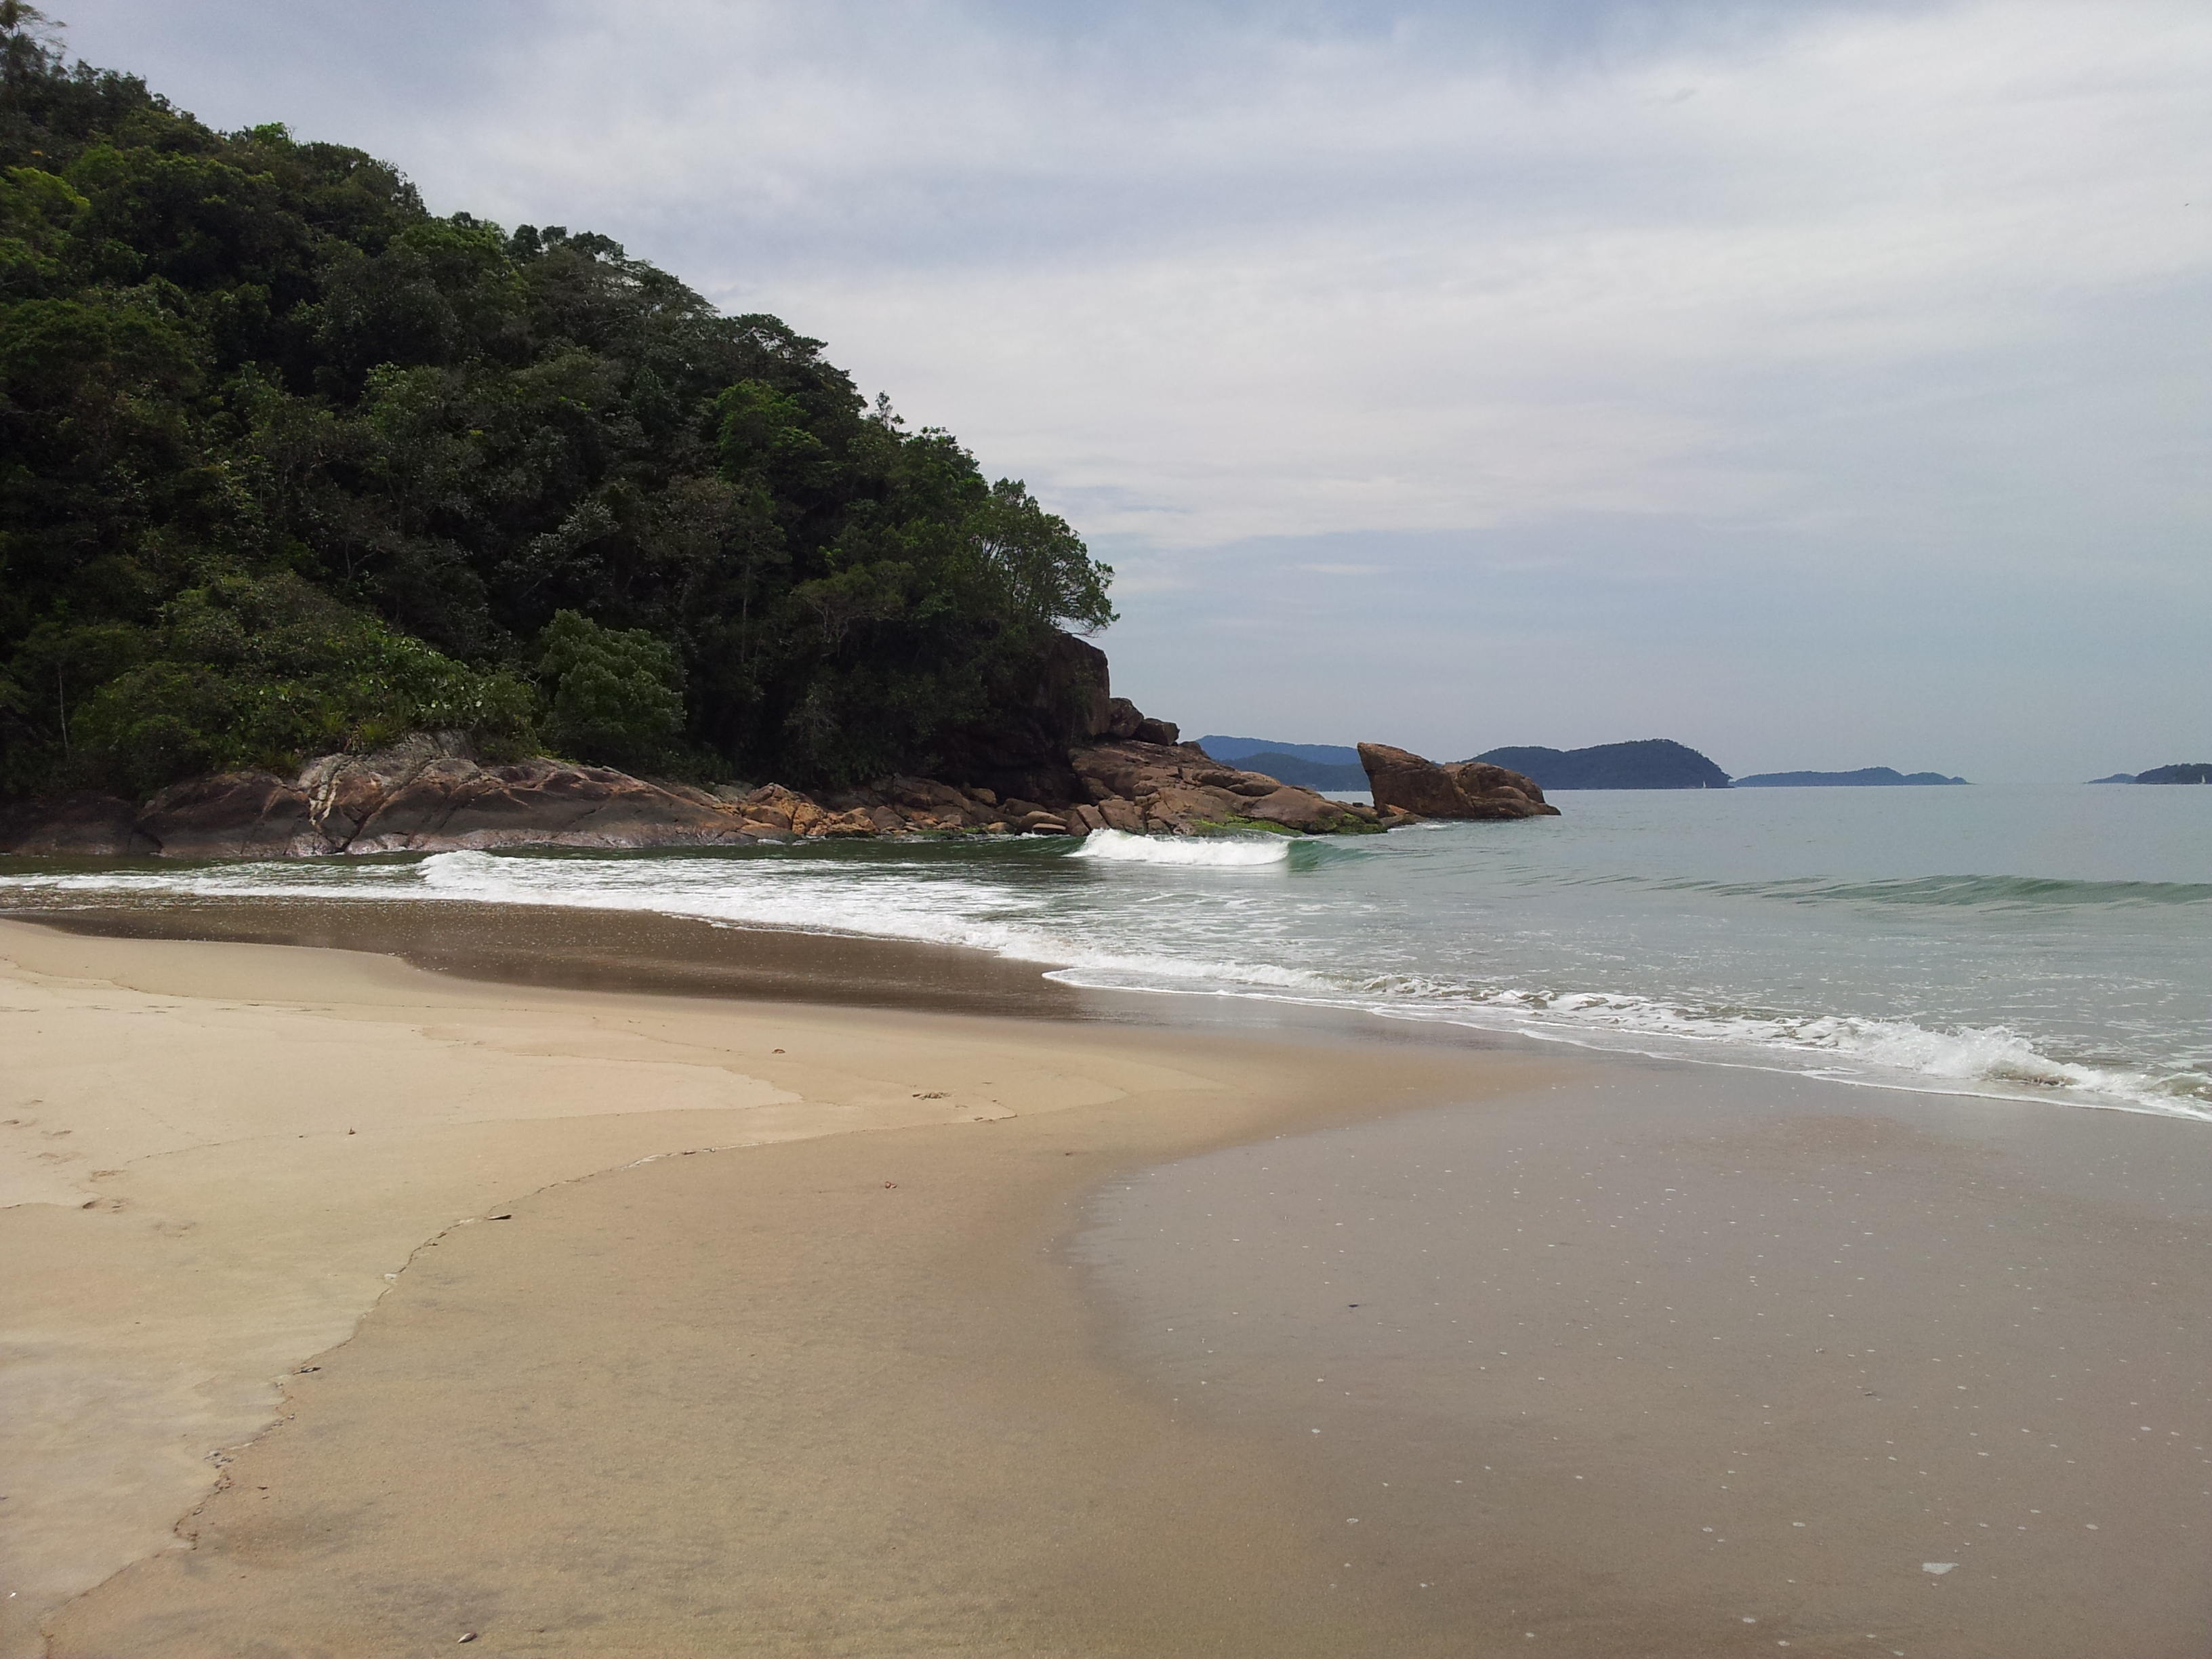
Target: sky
1821, 383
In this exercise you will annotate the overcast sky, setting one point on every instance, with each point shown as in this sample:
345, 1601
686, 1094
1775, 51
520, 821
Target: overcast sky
1822, 385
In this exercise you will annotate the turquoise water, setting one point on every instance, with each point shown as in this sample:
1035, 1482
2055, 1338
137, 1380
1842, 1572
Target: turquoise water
2052, 942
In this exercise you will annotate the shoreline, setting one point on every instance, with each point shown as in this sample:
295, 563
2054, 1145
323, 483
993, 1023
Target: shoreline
697, 929
568, 1109
590, 949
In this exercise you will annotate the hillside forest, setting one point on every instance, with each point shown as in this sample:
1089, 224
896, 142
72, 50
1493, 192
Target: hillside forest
289, 464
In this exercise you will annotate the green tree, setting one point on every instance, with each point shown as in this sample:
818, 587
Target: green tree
615, 695
244, 377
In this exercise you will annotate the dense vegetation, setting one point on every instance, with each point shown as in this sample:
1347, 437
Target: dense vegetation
288, 464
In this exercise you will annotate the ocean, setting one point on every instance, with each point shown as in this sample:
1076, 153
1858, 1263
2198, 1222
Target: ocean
2038, 943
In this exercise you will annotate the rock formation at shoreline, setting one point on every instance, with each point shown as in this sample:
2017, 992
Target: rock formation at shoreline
1405, 783
429, 793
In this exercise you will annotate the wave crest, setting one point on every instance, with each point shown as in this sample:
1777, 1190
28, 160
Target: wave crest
1185, 852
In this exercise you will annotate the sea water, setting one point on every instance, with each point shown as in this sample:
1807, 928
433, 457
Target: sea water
2047, 942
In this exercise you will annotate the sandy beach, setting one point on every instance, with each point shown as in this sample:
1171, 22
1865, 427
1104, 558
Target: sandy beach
357, 1307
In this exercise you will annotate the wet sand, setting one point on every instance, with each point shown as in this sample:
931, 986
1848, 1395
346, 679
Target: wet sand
1673, 1361
622, 951
858, 1379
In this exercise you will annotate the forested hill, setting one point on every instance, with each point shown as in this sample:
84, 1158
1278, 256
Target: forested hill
287, 464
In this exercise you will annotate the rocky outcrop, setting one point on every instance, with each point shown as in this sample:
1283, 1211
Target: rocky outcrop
1459, 789
429, 794
81, 824
426, 794
1092, 761
231, 815
1152, 787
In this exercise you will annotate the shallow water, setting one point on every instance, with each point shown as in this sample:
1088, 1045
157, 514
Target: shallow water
2052, 943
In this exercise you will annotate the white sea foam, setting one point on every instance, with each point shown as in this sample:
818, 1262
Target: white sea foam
1888, 1054
1193, 852
1991, 1061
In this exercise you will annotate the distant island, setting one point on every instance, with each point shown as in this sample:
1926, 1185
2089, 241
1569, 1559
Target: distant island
1236, 748
1866, 777
1310, 765
2188, 772
1653, 763
2117, 777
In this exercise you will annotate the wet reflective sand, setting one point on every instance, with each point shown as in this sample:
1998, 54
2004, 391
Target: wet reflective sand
1676, 1361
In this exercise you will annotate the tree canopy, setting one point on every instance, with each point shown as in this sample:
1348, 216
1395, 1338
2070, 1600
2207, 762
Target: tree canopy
289, 463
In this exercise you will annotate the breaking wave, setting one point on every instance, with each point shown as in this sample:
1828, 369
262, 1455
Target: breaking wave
1188, 851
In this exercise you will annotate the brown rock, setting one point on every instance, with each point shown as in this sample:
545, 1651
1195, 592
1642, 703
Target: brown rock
920, 795
1180, 789
767, 819
81, 824
1310, 814
451, 804
1161, 731
233, 814
344, 791
855, 825
1461, 789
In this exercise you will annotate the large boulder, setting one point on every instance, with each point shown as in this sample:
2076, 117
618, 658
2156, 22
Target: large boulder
80, 824
1459, 789
344, 791
1180, 789
233, 814
451, 804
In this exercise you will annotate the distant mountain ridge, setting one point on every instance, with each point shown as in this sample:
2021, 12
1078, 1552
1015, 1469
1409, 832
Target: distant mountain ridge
1226, 749
1309, 775
1651, 764
1866, 776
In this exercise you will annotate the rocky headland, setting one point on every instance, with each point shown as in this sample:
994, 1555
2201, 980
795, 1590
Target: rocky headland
1071, 759
430, 793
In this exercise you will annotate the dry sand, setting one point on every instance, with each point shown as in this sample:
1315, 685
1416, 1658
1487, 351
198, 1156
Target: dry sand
837, 1389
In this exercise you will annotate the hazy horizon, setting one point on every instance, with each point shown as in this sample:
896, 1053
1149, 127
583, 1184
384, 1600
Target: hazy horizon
1821, 385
